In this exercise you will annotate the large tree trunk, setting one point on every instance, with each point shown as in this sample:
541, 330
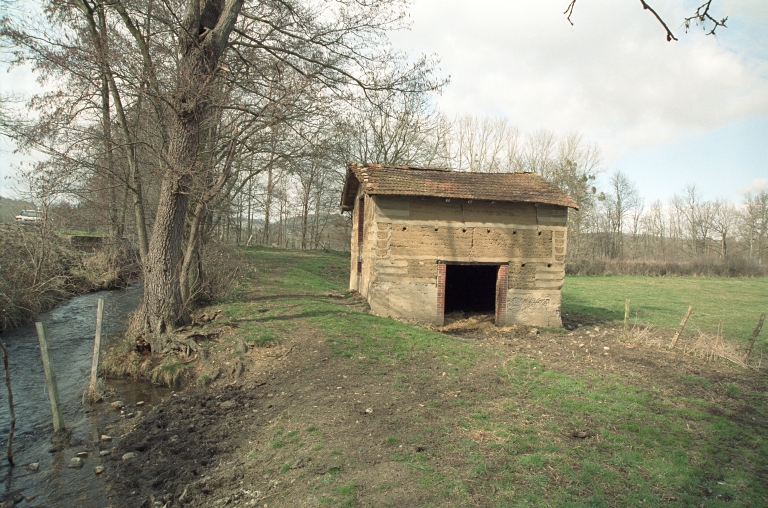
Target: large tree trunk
206, 27
163, 307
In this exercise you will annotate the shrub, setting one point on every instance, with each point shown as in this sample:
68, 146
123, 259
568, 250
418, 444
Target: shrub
736, 266
219, 275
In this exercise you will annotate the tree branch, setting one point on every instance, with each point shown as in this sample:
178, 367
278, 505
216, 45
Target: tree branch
702, 16
569, 11
670, 36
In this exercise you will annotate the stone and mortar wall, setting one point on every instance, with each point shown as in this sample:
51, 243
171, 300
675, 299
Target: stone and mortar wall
405, 239
362, 252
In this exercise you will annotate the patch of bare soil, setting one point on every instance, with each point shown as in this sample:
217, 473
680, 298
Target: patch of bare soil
301, 426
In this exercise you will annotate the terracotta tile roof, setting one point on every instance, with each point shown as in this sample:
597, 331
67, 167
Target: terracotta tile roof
378, 179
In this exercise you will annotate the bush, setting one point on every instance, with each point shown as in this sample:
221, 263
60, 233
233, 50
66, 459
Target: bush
219, 275
39, 268
171, 372
35, 273
736, 266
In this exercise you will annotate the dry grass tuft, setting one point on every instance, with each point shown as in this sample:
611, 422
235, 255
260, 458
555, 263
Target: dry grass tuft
123, 360
111, 266
641, 335
483, 436
93, 396
714, 347
458, 321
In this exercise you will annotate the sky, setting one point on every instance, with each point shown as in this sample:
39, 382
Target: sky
666, 114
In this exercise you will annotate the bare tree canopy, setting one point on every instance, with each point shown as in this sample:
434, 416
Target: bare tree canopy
165, 112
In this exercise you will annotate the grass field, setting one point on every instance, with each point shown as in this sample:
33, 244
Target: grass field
731, 303
484, 423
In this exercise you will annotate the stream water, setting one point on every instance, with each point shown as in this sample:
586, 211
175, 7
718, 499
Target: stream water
71, 327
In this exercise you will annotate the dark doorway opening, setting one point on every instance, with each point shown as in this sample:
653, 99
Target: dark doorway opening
470, 288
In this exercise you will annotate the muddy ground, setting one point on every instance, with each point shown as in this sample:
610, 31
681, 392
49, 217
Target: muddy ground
283, 432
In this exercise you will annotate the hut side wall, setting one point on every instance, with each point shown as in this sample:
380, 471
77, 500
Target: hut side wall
362, 252
406, 237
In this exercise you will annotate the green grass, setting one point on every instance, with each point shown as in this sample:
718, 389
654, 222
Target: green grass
643, 447
300, 282
304, 271
735, 304
382, 340
261, 337
343, 496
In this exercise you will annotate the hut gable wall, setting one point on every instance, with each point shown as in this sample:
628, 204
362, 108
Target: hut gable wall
362, 247
405, 238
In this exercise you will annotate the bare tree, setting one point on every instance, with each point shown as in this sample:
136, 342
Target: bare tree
655, 231
488, 145
618, 205
754, 225
390, 128
723, 222
693, 219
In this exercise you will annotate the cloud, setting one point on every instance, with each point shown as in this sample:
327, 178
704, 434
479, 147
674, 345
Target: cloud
755, 186
612, 76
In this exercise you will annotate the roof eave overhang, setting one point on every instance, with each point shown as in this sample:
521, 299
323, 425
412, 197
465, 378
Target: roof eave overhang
570, 204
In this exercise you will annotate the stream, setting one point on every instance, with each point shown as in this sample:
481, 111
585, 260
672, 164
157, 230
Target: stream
71, 327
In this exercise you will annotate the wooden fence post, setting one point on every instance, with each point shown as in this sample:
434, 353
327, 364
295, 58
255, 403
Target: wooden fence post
93, 392
12, 429
754, 336
50, 378
626, 317
682, 327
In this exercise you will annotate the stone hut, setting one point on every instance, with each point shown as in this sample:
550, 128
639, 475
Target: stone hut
426, 242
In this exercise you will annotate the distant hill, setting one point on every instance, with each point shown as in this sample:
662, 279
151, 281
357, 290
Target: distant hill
10, 208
